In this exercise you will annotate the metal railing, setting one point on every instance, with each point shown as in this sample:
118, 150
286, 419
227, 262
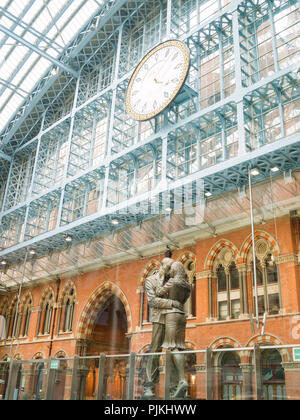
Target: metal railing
249, 373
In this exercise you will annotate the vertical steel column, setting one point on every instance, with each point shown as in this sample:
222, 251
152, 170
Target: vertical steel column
169, 16
18, 304
258, 372
238, 82
51, 374
65, 172
6, 187
101, 378
168, 367
273, 35
221, 64
33, 177
253, 248
75, 379
164, 154
12, 380
276, 65
209, 374
130, 384
103, 199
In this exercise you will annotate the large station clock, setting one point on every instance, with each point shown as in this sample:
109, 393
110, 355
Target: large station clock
157, 79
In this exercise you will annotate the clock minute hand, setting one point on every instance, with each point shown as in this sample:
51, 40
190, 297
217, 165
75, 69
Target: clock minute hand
162, 67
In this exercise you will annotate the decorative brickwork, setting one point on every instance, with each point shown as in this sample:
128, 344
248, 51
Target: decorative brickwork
215, 251
91, 309
65, 290
152, 265
246, 248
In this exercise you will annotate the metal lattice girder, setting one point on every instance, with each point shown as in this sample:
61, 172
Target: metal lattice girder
51, 158
4, 171
89, 135
42, 215
218, 179
20, 177
133, 32
83, 196
105, 14
59, 104
11, 228
134, 173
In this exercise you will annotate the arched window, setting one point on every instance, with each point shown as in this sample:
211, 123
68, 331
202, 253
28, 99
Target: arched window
68, 311
4, 319
228, 291
45, 317
12, 327
26, 317
273, 377
67, 308
268, 289
190, 305
232, 377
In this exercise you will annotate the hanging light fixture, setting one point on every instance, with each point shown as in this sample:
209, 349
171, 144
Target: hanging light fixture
254, 171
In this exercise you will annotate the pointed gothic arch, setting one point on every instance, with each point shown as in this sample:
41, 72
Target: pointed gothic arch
216, 249
246, 247
90, 312
151, 266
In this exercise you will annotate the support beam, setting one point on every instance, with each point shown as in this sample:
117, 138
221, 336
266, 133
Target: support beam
5, 156
40, 52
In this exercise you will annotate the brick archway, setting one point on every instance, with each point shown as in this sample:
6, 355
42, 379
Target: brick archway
45, 295
260, 234
65, 290
152, 265
89, 314
269, 340
26, 297
186, 256
222, 342
214, 251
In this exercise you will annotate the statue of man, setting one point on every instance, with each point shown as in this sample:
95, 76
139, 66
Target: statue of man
158, 308
176, 288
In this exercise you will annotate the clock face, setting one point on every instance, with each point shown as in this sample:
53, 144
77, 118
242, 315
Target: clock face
157, 79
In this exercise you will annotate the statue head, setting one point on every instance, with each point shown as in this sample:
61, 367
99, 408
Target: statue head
177, 269
166, 264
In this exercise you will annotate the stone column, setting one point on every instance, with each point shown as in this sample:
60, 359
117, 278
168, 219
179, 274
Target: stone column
243, 289
247, 381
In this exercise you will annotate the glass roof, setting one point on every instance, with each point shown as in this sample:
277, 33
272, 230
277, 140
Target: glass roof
32, 32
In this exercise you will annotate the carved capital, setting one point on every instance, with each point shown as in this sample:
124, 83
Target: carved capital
203, 275
281, 259
291, 366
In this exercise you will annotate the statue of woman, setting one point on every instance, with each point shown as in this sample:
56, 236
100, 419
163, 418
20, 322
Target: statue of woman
176, 288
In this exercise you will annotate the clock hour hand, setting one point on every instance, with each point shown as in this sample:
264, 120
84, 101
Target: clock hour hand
161, 83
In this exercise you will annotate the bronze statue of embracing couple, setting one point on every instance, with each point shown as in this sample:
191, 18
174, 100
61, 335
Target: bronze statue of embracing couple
167, 291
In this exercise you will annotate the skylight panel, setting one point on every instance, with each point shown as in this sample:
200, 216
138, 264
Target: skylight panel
48, 25
26, 67
30, 79
16, 7
33, 11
